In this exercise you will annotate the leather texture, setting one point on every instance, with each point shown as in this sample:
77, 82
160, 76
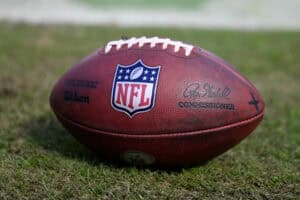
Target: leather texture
202, 106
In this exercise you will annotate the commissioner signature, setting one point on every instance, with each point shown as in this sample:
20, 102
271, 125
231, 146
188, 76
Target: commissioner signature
206, 90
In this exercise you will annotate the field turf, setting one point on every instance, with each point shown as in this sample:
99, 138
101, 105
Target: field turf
40, 160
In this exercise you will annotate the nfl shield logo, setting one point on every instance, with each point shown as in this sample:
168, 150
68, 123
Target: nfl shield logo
134, 88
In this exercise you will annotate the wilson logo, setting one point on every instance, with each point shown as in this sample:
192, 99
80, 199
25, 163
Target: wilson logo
134, 88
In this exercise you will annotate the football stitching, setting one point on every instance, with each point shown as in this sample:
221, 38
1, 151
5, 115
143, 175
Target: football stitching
152, 41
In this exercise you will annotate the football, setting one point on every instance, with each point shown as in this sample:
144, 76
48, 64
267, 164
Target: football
153, 101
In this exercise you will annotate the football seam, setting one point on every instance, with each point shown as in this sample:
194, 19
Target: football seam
165, 135
144, 48
194, 54
228, 66
152, 41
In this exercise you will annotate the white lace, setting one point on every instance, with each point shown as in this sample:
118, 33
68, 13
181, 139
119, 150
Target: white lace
152, 41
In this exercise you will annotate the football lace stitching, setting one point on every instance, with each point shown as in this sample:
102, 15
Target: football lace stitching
152, 41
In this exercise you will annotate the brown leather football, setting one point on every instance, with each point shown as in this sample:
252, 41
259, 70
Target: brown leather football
153, 101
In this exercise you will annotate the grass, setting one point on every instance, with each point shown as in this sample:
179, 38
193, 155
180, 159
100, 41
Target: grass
40, 160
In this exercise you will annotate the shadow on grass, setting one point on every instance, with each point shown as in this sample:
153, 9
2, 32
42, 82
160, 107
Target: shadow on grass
48, 133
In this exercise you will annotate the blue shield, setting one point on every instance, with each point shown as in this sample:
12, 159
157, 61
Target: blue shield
134, 88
